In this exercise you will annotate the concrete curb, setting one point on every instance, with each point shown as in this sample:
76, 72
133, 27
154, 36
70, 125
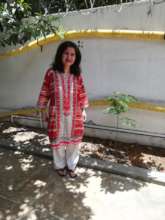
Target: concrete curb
124, 170
97, 164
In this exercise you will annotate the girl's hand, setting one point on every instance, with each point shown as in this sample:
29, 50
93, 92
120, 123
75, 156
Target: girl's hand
44, 116
84, 115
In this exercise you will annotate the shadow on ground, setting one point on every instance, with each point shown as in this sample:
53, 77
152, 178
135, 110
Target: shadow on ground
30, 189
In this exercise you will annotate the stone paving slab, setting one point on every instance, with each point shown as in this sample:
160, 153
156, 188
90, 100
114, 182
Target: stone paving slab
94, 195
24, 211
20, 169
97, 195
5, 207
23, 179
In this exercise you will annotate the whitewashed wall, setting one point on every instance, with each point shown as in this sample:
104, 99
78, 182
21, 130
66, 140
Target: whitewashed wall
135, 67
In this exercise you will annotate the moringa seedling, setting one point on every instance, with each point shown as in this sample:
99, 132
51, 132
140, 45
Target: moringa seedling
119, 103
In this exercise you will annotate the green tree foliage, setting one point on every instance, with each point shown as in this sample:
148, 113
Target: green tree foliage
17, 25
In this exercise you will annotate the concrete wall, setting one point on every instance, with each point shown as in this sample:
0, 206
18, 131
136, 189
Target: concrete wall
140, 15
134, 67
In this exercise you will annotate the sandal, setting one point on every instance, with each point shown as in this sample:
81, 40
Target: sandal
61, 172
72, 173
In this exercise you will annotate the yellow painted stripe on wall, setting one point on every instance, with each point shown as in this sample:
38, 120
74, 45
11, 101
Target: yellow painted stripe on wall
93, 104
98, 33
148, 106
138, 105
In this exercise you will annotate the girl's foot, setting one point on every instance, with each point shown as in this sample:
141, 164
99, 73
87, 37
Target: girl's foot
72, 173
61, 172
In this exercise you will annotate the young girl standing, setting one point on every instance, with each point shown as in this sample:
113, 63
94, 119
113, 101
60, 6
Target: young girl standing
63, 87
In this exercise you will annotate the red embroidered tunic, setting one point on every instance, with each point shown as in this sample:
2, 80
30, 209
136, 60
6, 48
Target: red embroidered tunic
67, 96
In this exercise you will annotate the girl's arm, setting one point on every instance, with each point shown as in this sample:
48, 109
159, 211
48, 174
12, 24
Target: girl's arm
82, 95
83, 98
44, 96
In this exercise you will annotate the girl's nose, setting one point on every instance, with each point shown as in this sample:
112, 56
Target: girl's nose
69, 57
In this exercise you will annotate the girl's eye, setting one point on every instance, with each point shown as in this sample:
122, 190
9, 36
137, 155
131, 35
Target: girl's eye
72, 54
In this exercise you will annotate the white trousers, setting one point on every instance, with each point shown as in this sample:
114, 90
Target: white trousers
66, 156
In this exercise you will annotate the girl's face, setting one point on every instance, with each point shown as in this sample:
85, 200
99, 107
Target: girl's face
68, 56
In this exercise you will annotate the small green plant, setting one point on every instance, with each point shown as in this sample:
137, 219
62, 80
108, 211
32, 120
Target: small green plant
119, 103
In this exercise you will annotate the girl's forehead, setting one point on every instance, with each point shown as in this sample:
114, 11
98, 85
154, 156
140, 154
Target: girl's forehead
70, 49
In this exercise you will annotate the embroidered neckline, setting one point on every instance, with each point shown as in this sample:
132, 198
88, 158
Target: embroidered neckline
66, 97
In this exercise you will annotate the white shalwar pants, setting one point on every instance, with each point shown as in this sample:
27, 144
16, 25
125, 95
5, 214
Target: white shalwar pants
66, 156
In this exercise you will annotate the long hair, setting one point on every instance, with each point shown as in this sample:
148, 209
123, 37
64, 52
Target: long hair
57, 63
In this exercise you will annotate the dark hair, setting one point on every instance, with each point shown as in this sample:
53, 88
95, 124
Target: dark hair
57, 63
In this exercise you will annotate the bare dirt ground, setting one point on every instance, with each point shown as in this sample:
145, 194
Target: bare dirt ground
152, 158
130, 154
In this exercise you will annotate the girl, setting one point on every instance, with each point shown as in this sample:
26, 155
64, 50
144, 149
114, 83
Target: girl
63, 87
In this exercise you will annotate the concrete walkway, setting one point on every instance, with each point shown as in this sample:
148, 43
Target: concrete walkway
30, 189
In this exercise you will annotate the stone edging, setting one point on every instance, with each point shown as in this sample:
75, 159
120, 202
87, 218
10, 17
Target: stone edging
97, 164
